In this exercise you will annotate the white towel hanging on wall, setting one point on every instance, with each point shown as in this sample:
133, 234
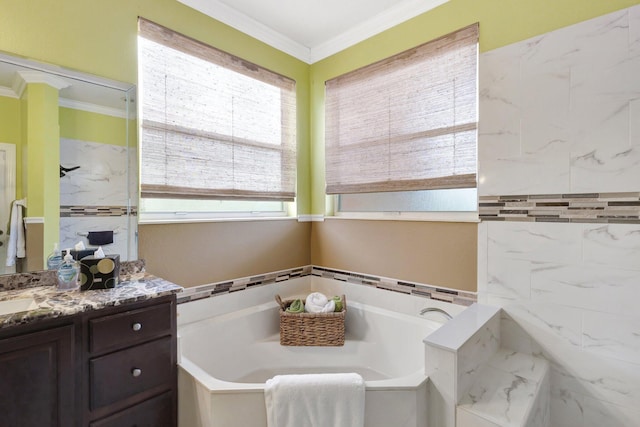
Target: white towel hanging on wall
16, 244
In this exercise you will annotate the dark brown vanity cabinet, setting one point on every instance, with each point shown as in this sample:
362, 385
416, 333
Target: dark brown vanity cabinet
38, 376
130, 366
105, 368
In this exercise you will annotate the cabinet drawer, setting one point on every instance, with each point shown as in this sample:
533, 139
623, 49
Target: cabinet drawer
123, 329
155, 412
127, 372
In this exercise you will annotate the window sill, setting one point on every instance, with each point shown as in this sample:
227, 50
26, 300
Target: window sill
362, 216
205, 220
409, 216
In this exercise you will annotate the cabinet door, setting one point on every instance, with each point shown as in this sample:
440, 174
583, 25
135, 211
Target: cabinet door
37, 379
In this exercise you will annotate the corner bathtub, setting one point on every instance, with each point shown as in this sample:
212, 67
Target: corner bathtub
226, 359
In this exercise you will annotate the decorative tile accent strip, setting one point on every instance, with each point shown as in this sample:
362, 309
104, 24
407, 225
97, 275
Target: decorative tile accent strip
408, 288
73, 211
622, 208
219, 288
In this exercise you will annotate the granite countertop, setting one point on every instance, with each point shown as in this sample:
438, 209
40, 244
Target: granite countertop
52, 303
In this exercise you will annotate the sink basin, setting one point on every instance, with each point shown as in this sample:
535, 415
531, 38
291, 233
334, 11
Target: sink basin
17, 305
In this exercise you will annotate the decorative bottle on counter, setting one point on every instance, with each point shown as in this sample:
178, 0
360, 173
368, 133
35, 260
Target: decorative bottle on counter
68, 273
55, 258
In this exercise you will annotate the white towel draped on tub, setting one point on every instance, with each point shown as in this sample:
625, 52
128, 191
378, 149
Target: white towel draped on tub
16, 245
315, 400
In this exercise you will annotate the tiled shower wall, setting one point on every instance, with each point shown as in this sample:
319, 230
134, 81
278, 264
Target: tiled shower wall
560, 115
94, 197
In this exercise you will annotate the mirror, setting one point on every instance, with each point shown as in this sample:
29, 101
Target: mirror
68, 148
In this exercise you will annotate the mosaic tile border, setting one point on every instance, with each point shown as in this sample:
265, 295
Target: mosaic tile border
383, 283
226, 287
409, 288
620, 208
79, 211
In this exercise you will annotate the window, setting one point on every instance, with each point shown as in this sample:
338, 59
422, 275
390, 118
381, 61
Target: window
444, 200
214, 127
406, 124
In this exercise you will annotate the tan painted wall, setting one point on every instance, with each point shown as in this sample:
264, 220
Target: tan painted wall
434, 253
198, 253
34, 244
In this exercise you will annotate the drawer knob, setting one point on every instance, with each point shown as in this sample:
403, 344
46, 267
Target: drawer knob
136, 372
136, 326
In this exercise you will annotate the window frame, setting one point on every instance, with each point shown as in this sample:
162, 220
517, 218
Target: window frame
401, 215
287, 203
469, 39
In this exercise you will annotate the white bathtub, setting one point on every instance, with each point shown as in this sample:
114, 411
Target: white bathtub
225, 360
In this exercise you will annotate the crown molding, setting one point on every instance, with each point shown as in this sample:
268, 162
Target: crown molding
93, 108
25, 77
63, 73
8, 92
68, 103
241, 22
391, 17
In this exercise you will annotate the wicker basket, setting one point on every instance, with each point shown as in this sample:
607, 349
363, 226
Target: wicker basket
311, 329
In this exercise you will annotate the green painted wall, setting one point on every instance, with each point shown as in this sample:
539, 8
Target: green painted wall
94, 127
99, 37
42, 144
502, 22
11, 133
10, 114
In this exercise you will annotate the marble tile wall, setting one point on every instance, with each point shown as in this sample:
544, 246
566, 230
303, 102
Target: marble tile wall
440, 366
71, 226
95, 196
475, 353
570, 293
560, 114
101, 179
513, 390
454, 358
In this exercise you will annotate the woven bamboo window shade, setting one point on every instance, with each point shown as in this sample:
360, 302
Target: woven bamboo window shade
407, 122
213, 125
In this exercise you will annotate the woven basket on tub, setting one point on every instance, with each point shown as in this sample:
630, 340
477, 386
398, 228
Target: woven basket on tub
311, 329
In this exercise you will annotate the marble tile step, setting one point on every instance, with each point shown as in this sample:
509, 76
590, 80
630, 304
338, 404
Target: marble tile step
511, 390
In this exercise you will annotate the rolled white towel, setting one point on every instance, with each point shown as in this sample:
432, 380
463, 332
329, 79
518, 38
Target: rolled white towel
318, 303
